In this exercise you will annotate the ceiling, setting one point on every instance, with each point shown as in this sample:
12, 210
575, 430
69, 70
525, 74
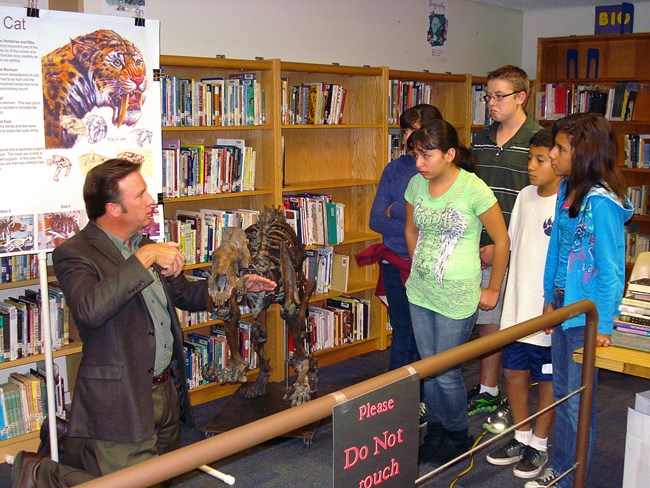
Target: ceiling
525, 5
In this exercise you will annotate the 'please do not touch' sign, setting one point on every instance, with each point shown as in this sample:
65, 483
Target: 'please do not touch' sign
376, 437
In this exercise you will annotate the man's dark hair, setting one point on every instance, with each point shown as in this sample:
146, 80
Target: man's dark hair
102, 185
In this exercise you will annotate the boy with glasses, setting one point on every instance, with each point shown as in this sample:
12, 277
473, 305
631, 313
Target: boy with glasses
502, 154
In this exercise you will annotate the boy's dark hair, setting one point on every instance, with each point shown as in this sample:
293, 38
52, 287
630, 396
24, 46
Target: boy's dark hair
102, 185
543, 138
418, 115
513, 74
466, 159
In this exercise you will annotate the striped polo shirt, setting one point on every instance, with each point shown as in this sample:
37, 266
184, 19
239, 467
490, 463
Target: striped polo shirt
504, 169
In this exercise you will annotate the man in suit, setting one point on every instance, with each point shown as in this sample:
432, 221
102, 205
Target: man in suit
122, 288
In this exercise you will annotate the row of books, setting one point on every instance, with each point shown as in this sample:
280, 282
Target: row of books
21, 323
18, 268
636, 242
203, 350
328, 270
638, 195
480, 109
195, 169
237, 100
405, 94
312, 103
316, 219
637, 151
560, 99
632, 326
199, 233
23, 402
343, 320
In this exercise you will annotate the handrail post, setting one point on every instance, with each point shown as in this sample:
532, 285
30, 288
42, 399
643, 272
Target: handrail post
586, 397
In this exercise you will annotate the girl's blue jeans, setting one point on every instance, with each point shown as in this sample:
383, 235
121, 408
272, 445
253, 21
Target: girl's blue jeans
567, 376
445, 395
403, 350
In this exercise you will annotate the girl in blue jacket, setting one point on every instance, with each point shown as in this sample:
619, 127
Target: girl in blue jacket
586, 260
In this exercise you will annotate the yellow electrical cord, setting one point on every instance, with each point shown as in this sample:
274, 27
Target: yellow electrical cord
471, 456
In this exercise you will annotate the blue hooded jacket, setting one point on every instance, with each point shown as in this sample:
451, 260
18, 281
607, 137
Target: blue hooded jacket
596, 265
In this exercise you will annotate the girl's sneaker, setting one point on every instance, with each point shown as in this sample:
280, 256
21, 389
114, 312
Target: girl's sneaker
547, 478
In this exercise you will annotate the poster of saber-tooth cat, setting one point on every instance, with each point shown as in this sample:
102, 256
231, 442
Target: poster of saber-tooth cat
75, 90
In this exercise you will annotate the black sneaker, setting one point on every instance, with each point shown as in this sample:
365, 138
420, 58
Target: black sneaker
549, 476
422, 412
531, 464
473, 392
500, 420
512, 452
484, 402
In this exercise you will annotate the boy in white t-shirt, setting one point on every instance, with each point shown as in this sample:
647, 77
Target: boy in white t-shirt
530, 230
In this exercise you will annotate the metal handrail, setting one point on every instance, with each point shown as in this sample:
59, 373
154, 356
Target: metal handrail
233, 441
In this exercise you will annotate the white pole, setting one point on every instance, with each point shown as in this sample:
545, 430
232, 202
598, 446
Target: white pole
226, 478
47, 342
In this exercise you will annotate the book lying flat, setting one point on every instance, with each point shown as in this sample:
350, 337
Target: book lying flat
641, 285
631, 341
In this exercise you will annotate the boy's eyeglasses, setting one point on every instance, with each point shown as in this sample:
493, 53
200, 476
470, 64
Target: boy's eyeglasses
498, 98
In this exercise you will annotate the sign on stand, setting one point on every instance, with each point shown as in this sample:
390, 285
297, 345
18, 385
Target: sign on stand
376, 437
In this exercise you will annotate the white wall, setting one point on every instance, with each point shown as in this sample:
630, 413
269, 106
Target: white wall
566, 22
356, 32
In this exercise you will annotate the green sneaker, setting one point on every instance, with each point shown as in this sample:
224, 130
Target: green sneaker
500, 420
484, 402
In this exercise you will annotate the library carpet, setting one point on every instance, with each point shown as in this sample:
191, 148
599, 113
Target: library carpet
286, 462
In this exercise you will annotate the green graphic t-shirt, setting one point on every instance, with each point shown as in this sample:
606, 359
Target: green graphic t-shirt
446, 271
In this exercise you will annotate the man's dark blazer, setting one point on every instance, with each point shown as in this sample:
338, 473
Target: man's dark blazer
112, 398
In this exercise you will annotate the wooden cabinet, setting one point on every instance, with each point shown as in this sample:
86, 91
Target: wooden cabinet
450, 93
264, 139
345, 161
604, 62
71, 353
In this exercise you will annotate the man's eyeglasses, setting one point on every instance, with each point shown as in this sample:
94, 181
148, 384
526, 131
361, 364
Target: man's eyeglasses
498, 97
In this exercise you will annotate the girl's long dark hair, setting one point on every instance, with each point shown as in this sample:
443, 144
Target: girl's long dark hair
594, 156
435, 134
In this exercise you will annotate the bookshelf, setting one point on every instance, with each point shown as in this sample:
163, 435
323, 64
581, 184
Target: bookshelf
450, 93
263, 138
344, 161
70, 352
621, 59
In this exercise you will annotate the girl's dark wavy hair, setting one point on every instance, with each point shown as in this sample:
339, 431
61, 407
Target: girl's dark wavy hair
440, 134
594, 156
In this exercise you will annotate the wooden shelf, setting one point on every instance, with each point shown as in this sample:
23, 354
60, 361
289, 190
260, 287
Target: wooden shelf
24, 442
620, 359
215, 128
326, 184
19, 284
74, 348
621, 58
212, 391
